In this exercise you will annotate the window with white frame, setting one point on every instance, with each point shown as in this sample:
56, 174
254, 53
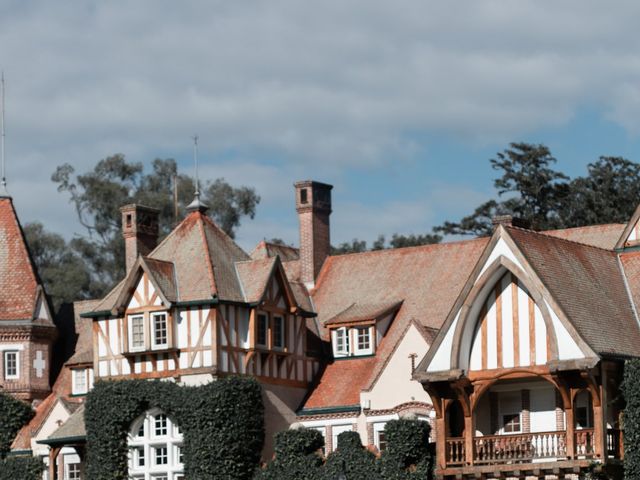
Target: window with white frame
510, 409
155, 451
278, 331
79, 381
262, 329
72, 471
363, 341
11, 364
160, 333
136, 333
341, 341
379, 438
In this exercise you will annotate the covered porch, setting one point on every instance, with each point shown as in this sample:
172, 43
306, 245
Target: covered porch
527, 422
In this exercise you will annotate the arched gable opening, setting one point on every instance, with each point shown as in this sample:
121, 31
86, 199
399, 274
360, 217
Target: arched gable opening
155, 448
504, 323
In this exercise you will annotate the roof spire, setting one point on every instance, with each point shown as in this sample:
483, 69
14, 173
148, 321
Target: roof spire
196, 205
3, 181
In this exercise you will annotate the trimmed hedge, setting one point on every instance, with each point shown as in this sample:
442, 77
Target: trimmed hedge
14, 415
221, 422
407, 455
351, 459
297, 456
631, 390
21, 468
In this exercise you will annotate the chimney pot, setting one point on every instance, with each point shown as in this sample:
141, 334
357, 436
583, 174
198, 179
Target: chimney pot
140, 228
510, 221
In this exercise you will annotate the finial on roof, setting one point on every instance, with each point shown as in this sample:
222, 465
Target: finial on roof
3, 180
196, 205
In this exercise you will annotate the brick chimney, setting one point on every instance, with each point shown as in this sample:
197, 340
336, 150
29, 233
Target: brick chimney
313, 204
510, 221
140, 231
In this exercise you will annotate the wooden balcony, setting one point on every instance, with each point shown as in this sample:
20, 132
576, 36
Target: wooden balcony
528, 447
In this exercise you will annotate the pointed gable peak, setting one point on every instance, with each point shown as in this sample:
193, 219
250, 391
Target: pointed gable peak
631, 234
20, 287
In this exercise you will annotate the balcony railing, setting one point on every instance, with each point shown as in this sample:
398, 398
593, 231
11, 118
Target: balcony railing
455, 451
519, 448
584, 443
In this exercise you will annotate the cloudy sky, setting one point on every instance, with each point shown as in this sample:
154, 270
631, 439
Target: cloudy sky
399, 104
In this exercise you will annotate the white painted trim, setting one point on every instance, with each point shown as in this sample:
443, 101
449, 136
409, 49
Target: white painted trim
441, 361
154, 345
130, 328
11, 346
329, 422
4, 365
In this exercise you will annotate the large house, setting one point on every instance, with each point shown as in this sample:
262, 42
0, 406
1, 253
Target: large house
510, 346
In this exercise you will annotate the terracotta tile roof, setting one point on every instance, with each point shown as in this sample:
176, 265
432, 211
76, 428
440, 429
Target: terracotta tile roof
357, 312
427, 278
631, 266
588, 285
203, 260
19, 284
268, 250
603, 236
341, 383
254, 276
83, 352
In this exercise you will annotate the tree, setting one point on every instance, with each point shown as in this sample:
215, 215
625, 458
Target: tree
98, 195
296, 457
397, 241
407, 455
631, 391
62, 271
351, 459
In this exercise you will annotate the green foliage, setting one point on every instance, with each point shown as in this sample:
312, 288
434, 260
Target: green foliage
98, 195
61, 269
21, 468
222, 425
407, 455
631, 391
546, 198
397, 241
351, 459
14, 415
297, 456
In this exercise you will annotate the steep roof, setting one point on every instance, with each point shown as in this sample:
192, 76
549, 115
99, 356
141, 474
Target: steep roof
361, 312
604, 236
588, 285
83, 352
254, 276
72, 429
20, 289
269, 249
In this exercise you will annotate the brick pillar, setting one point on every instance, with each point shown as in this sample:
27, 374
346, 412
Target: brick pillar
328, 440
140, 231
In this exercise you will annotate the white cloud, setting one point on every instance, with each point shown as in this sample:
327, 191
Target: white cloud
321, 86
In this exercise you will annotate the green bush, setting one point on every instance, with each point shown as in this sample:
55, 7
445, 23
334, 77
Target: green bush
351, 459
21, 468
296, 457
407, 455
14, 415
631, 390
221, 422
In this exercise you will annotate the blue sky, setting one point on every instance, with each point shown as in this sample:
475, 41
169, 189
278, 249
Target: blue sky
398, 104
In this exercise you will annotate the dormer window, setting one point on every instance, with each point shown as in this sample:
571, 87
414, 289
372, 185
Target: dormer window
353, 341
278, 332
364, 338
148, 331
270, 331
262, 329
136, 333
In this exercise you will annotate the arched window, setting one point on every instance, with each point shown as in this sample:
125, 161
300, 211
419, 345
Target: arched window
155, 448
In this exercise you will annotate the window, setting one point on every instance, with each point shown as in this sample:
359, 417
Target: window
160, 425
79, 381
278, 332
72, 471
136, 334
342, 341
511, 423
364, 338
159, 321
263, 327
379, 437
304, 196
11, 367
155, 448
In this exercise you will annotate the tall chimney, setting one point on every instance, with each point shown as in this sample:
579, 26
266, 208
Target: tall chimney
140, 231
313, 204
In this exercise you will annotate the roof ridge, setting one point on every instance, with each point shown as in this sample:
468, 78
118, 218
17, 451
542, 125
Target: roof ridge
544, 234
583, 226
427, 246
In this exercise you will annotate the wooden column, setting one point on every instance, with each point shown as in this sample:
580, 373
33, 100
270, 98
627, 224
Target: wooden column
53, 457
468, 438
570, 427
441, 442
599, 430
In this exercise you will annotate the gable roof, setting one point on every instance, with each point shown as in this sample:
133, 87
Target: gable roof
357, 312
83, 352
628, 228
269, 249
71, 430
589, 287
20, 287
603, 236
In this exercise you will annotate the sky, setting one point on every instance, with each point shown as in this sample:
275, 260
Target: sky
399, 105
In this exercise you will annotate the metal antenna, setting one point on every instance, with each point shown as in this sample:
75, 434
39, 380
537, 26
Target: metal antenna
3, 186
195, 159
